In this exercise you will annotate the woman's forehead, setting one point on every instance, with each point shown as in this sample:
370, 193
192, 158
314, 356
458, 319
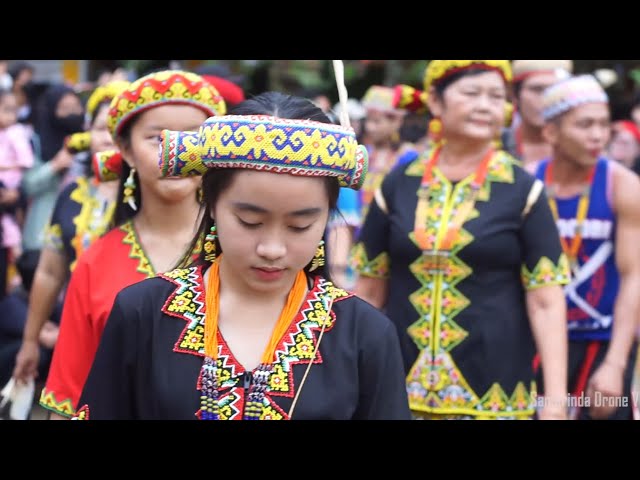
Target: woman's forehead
266, 187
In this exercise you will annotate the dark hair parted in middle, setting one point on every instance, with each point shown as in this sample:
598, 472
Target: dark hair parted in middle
216, 181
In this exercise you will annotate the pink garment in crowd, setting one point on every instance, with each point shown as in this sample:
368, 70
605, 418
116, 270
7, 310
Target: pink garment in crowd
16, 155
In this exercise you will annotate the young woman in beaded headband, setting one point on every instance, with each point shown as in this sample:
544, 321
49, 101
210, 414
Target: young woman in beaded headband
155, 220
461, 251
253, 330
80, 216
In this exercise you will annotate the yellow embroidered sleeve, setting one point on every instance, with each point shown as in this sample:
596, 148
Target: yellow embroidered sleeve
53, 238
547, 273
379, 267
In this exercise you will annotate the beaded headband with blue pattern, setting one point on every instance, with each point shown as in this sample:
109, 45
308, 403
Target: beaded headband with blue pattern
267, 143
571, 93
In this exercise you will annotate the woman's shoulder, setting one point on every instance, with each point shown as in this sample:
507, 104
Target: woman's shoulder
104, 249
512, 170
366, 318
150, 291
77, 184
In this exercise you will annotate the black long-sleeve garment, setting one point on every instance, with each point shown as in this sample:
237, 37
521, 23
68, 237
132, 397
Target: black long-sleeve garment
152, 350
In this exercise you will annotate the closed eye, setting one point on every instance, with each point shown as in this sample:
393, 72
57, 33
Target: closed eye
300, 229
248, 225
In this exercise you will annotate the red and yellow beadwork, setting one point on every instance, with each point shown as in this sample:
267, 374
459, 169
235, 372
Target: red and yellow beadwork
438, 70
105, 93
166, 87
107, 165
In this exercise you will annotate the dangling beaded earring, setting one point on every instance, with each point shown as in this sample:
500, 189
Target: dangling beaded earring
508, 120
210, 245
318, 259
199, 195
435, 131
128, 196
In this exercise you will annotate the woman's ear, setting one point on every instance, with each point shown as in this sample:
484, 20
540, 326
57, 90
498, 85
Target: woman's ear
126, 151
434, 102
550, 132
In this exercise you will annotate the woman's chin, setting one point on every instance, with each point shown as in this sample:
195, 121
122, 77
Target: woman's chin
176, 189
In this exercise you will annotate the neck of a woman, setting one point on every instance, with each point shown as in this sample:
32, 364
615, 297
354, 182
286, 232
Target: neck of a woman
385, 144
460, 153
108, 190
531, 133
168, 219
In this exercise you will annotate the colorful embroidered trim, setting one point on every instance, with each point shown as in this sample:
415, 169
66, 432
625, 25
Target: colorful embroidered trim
547, 273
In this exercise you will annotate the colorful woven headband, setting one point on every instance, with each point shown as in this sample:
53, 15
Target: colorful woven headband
380, 99
78, 142
260, 142
166, 87
523, 69
105, 93
438, 70
107, 165
628, 126
571, 93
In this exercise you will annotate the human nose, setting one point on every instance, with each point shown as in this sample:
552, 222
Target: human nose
271, 246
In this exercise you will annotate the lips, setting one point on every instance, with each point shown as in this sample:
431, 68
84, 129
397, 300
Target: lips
268, 274
484, 123
269, 269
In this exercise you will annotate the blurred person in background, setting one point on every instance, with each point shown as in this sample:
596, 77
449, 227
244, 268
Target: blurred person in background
22, 76
596, 205
524, 139
382, 123
16, 156
624, 146
59, 114
82, 213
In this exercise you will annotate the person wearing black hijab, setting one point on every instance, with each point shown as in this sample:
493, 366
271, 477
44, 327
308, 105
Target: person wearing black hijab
58, 114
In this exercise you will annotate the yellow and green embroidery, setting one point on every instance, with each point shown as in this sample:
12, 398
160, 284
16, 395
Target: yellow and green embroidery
379, 267
93, 219
137, 252
53, 238
435, 384
62, 407
547, 273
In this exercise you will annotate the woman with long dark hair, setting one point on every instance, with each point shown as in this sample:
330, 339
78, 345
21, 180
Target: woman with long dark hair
154, 221
253, 329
